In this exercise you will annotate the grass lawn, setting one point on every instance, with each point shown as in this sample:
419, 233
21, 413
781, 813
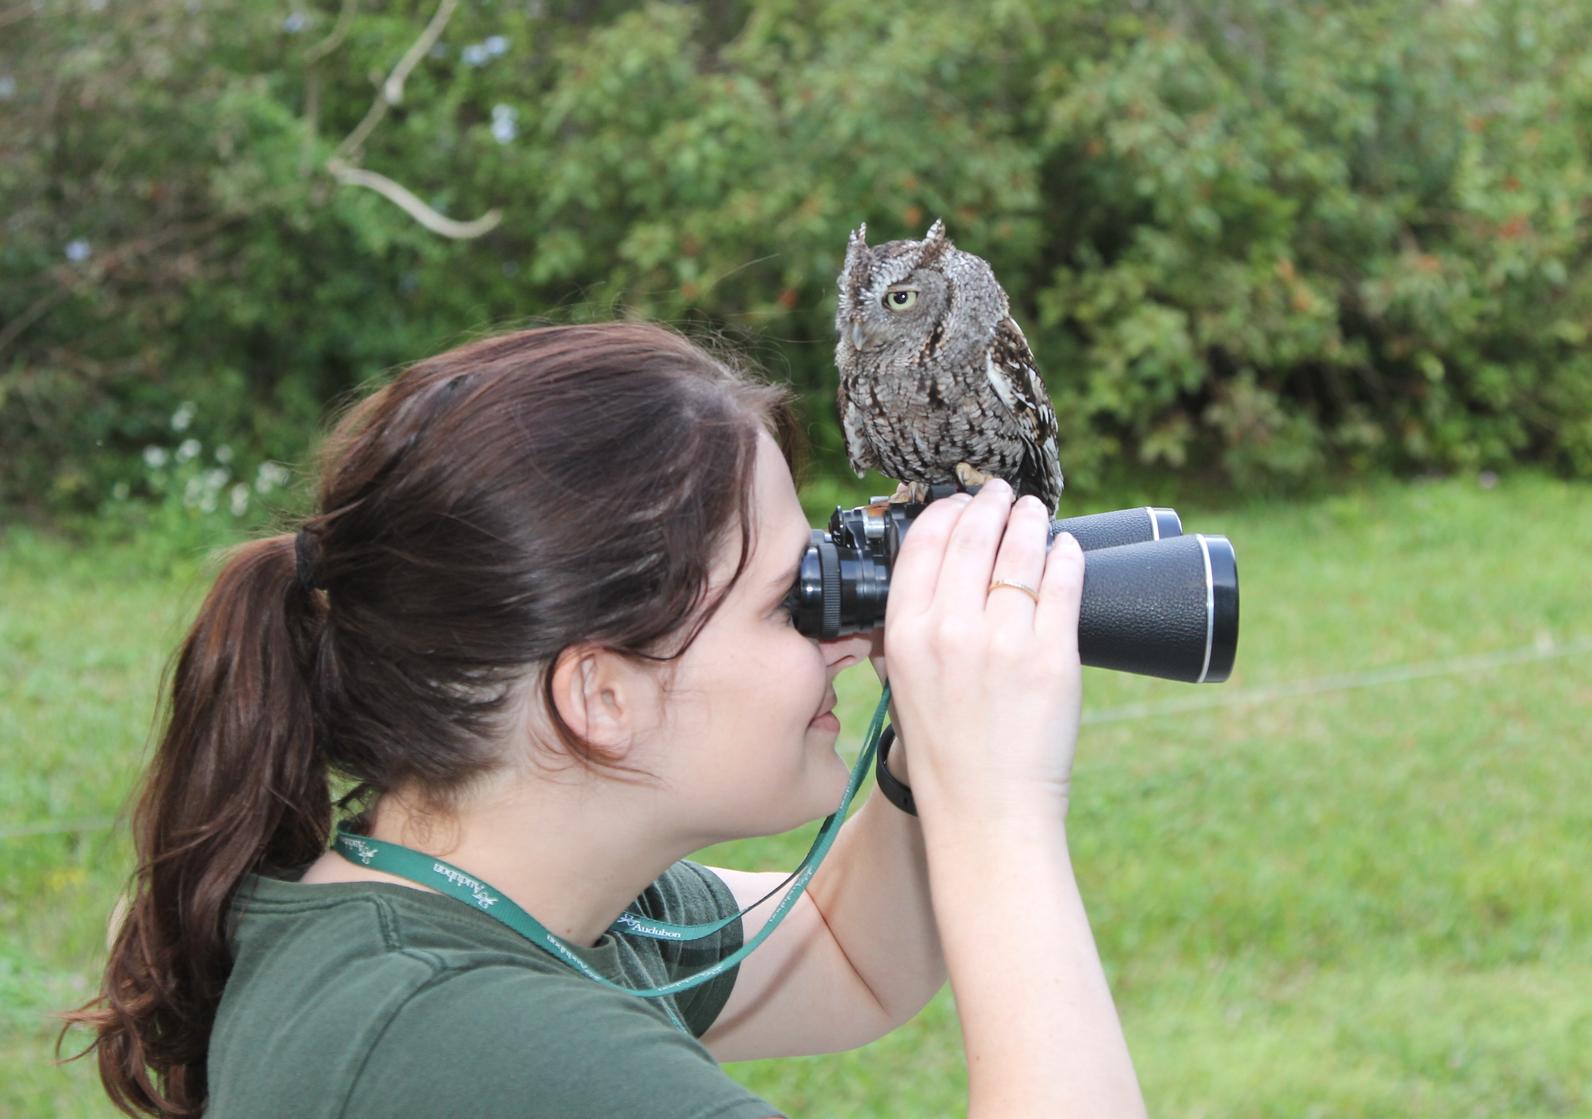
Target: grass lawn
1352, 881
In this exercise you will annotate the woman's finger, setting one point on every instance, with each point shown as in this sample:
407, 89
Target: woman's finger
916, 571
970, 552
1020, 564
1061, 589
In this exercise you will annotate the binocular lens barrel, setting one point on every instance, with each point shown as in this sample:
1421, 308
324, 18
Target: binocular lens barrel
1155, 602
1165, 608
1119, 527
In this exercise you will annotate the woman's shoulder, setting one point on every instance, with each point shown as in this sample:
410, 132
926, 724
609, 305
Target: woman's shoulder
406, 1000
314, 942
337, 952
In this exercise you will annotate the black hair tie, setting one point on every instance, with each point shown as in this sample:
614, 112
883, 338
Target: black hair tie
894, 790
304, 553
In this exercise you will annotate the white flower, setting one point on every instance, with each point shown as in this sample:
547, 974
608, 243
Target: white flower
474, 55
189, 448
223, 453
295, 22
120, 491
154, 457
496, 44
78, 250
505, 124
8, 87
240, 499
215, 478
183, 416
270, 476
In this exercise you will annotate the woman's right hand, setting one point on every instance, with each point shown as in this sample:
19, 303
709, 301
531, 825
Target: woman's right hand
986, 686
986, 683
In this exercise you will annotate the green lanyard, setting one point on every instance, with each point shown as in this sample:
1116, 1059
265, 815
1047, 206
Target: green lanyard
445, 878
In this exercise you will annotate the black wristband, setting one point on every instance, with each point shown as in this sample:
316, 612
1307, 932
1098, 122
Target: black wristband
894, 791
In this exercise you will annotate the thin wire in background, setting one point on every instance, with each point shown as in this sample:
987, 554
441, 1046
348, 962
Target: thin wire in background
1543, 650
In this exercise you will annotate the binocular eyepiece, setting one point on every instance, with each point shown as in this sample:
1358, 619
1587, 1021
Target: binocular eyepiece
1155, 602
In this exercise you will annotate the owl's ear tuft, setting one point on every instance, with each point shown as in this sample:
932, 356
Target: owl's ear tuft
934, 245
854, 272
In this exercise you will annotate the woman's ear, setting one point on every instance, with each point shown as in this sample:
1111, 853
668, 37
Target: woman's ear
601, 696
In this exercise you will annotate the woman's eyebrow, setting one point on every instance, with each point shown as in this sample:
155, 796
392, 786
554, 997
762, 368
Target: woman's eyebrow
788, 575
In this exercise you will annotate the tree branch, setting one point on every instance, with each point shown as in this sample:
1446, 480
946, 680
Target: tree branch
16, 14
342, 165
406, 201
312, 80
334, 37
392, 90
71, 280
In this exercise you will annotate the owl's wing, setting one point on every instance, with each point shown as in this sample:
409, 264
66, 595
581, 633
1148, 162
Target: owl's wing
1017, 382
859, 451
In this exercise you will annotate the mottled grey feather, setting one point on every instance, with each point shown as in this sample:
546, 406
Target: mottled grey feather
946, 380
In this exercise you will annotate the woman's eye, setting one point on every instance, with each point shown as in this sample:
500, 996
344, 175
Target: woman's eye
900, 300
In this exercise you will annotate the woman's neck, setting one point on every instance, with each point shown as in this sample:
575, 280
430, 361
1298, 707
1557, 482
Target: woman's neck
573, 855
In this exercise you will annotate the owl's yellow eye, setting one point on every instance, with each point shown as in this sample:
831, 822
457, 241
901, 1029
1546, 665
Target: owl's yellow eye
900, 299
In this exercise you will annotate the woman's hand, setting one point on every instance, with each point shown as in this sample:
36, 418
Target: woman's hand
986, 682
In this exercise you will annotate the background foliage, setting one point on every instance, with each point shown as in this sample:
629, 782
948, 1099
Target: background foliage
1254, 241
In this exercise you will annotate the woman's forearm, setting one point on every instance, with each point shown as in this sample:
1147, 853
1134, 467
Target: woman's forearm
1038, 1023
873, 891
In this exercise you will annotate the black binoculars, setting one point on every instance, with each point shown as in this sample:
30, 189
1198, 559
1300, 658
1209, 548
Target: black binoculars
1155, 602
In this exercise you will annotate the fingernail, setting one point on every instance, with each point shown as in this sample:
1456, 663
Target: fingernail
1029, 501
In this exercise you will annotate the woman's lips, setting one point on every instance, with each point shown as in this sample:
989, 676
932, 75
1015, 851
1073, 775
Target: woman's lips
826, 719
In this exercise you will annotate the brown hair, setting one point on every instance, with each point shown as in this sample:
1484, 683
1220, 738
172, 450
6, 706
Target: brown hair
477, 515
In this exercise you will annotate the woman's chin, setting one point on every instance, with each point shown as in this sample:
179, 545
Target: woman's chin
835, 777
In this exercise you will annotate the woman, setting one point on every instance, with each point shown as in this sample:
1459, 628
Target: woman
535, 630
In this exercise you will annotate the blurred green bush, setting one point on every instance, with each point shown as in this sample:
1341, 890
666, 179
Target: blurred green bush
1257, 242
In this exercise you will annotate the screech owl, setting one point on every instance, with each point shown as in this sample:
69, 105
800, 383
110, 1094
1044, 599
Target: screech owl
936, 380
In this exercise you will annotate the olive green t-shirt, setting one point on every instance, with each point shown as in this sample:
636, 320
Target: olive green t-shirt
367, 999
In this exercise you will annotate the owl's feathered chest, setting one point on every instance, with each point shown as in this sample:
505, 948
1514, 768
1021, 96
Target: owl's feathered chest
922, 417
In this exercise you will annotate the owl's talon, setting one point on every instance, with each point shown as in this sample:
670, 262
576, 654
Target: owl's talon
969, 477
910, 493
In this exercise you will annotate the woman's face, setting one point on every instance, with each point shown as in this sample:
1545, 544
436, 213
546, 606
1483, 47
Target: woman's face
746, 739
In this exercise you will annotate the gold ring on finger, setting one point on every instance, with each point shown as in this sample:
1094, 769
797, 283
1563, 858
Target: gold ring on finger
1016, 586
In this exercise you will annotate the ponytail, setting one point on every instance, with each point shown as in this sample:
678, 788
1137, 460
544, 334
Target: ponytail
237, 785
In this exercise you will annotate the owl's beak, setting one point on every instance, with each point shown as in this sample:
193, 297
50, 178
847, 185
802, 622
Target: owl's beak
858, 335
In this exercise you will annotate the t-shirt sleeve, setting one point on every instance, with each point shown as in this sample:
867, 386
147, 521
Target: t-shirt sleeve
484, 1042
691, 894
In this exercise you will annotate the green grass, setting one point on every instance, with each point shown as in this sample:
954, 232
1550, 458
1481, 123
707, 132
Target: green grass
1324, 888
